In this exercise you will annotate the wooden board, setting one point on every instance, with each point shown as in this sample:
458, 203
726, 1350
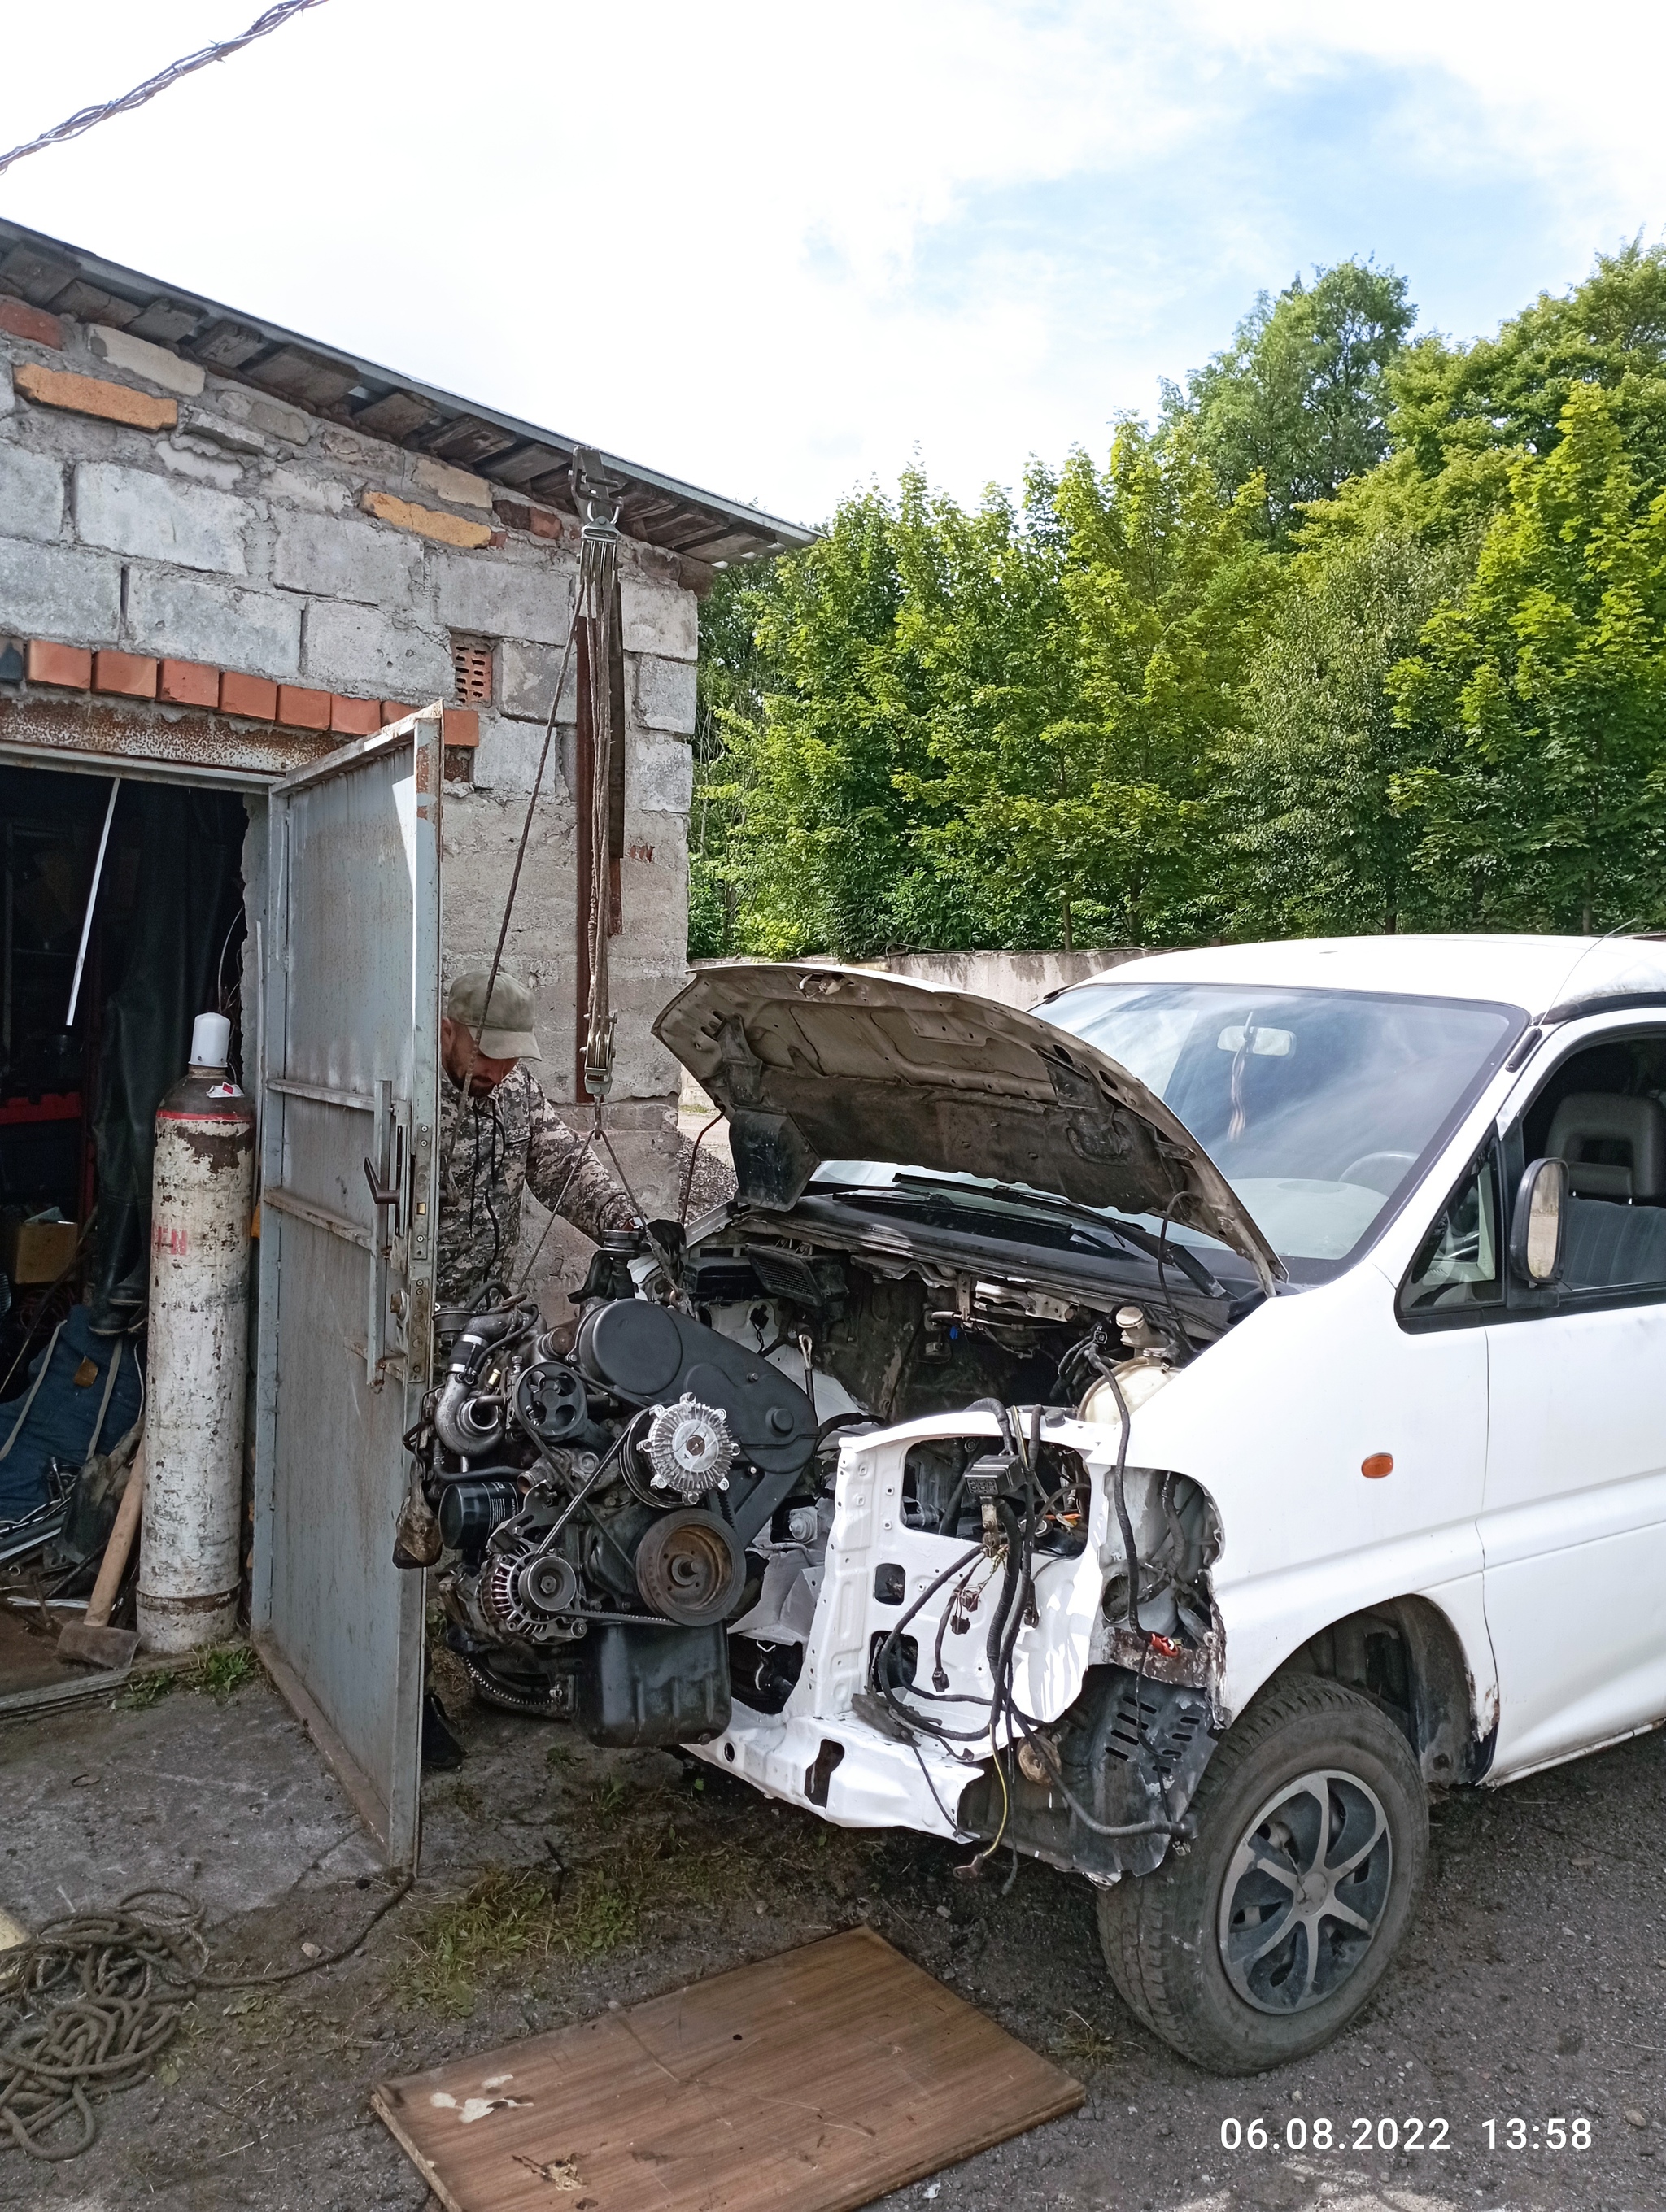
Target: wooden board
811, 2082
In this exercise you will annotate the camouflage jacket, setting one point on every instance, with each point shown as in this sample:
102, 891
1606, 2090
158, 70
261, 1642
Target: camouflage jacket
514, 1139
510, 1139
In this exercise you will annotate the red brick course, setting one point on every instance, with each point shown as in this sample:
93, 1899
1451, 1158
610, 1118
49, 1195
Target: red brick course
68, 666
248, 694
298, 709
126, 674
461, 726
192, 684
188, 684
20, 320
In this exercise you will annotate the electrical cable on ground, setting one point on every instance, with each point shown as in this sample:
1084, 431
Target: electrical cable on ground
90, 2002
87, 119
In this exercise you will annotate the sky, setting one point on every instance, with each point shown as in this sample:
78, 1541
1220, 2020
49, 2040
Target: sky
783, 251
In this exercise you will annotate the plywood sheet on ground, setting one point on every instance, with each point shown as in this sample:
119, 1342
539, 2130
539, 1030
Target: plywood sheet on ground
816, 2081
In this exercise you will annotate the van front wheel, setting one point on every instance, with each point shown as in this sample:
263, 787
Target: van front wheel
1264, 1937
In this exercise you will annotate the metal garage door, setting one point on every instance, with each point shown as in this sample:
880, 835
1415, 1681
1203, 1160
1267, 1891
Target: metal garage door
349, 1094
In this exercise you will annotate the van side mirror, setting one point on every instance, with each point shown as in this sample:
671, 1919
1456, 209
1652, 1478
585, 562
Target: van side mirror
1537, 1225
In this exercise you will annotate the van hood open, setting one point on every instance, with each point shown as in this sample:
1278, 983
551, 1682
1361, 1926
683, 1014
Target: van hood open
814, 1064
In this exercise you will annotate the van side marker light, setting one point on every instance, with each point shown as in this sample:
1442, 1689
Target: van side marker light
1378, 1464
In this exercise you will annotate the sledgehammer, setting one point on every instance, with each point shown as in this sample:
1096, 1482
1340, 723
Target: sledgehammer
91, 1640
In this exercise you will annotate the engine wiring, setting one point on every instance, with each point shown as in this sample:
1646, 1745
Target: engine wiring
1014, 1556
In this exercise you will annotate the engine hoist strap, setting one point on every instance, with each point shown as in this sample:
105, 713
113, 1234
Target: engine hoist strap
593, 603
598, 570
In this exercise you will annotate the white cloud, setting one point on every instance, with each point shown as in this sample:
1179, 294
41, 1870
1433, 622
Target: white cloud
772, 248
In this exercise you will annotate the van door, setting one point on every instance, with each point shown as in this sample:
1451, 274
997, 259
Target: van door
1574, 1523
349, 1097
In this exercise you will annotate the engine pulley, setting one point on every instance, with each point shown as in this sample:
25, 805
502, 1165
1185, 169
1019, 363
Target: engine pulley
525, 1594
550, 1399
690, 1568
690, 1448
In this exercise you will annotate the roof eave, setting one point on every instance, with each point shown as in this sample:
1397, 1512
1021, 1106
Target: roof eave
657, 509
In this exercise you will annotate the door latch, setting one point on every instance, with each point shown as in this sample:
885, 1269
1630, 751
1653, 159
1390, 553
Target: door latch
387, 1185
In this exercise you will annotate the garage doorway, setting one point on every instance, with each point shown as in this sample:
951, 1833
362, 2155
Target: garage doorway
122, 917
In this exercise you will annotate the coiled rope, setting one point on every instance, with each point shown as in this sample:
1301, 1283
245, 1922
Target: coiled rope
89, 2004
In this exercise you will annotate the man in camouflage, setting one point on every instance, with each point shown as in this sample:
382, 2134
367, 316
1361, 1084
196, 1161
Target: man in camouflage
499, 1135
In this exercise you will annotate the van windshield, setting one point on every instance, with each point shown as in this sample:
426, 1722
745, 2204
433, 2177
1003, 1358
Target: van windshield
1317, 1106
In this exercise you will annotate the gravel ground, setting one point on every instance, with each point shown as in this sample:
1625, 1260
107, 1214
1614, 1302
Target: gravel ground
1531, 1988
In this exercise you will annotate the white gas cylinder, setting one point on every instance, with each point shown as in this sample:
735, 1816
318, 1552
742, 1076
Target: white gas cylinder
202, 1199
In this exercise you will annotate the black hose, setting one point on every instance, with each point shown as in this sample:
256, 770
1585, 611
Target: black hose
877, 1667
949, 1518
993, 1644
1119, 1496
835, 1420
1003, 1418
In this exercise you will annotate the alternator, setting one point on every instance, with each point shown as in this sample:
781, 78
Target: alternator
524, 1596
690, 1448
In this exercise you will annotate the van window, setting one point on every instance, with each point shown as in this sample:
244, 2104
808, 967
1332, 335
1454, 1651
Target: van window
1602, 1111
1458, 1265
1319, 1107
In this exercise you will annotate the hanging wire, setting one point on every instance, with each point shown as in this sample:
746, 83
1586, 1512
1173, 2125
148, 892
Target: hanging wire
514, 886
89, 118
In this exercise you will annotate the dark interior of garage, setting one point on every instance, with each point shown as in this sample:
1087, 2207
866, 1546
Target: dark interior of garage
121, 919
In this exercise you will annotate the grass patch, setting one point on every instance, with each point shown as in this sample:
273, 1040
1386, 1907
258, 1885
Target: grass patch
505, 1914
219, 1672
1080, 2043
610, 1796
147, 1689
523, 1916
223, 1670
607, 1907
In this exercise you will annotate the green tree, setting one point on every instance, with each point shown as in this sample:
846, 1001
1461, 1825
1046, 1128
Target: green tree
1300, 396
1366, 636
1460, 415
731, 674
986, 617
820, 706
1508, 394
1318, 841
1172, 592
1540, 696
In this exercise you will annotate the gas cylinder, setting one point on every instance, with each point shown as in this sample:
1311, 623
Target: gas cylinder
202, 1199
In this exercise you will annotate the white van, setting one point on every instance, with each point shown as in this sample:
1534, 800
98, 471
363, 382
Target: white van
1326, 1281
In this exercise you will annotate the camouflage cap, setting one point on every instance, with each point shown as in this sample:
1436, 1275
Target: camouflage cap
504, 1031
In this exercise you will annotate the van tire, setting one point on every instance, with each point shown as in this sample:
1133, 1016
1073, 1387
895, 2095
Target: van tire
1162, 1932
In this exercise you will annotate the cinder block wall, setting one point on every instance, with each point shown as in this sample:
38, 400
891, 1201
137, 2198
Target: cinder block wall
151, 507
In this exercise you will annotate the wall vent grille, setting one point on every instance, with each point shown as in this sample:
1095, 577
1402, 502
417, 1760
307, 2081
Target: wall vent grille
471, 670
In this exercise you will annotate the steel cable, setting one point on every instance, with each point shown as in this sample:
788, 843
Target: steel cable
87, 118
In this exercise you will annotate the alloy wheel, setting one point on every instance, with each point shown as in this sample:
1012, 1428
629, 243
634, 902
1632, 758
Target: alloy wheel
1304, 1892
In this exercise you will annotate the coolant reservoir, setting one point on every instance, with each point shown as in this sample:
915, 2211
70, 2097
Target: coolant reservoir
1137, 1379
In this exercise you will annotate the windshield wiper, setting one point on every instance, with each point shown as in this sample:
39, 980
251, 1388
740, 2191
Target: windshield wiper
1129, 1234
